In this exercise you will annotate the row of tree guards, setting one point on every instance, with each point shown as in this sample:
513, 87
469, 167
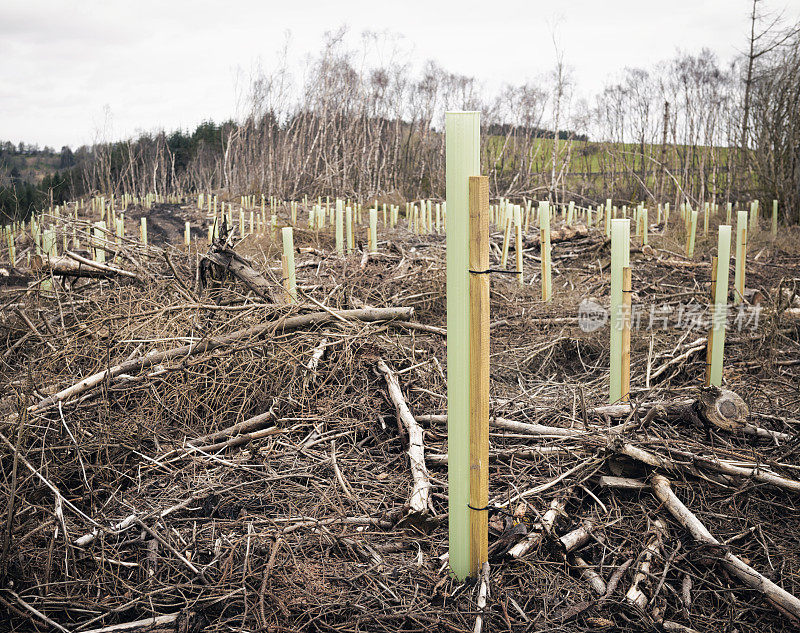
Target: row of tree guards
423, 218
468, 270
468, 324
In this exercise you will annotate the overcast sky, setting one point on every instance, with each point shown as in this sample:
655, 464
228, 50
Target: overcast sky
172, 63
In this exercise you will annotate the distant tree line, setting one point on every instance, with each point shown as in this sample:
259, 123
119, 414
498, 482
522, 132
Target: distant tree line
21, 191
687, 129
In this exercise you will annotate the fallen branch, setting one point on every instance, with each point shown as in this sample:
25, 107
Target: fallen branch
420, 494
483, 596
73, 265
533, 539
133, 519
635, 595
588, 573
228, 261
577, 538
517, 427
784, 600
277, 326
136, 625
564, 234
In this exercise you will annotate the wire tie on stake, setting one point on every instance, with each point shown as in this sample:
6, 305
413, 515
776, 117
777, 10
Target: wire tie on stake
494, 270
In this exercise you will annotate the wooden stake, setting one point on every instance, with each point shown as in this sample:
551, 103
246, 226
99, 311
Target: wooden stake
290, 282
625, 369
339, 228
348, 223
373, 230
741, 257
479, 370
506, 240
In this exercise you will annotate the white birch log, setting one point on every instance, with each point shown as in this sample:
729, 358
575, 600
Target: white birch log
420, 494
734, 565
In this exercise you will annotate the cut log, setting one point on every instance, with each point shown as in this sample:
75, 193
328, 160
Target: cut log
588, 573
219, 261
563, 234
74, 265
721, 408
621, 483
784, 600
577, 538
419, 501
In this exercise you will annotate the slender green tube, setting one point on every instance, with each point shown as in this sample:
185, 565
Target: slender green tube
49, 243
741, 256
99, 235
12, 249
546, 253
620, 258
774, 219
507, 221
692, 234
288, 255
373, 230
645, 226
720, 314
348, 227
462, 160
518, 241
339, 228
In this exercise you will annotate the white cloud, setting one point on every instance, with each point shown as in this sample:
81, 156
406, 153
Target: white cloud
174, 63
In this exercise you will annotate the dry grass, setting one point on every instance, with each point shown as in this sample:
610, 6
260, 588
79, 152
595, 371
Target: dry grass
270, 539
